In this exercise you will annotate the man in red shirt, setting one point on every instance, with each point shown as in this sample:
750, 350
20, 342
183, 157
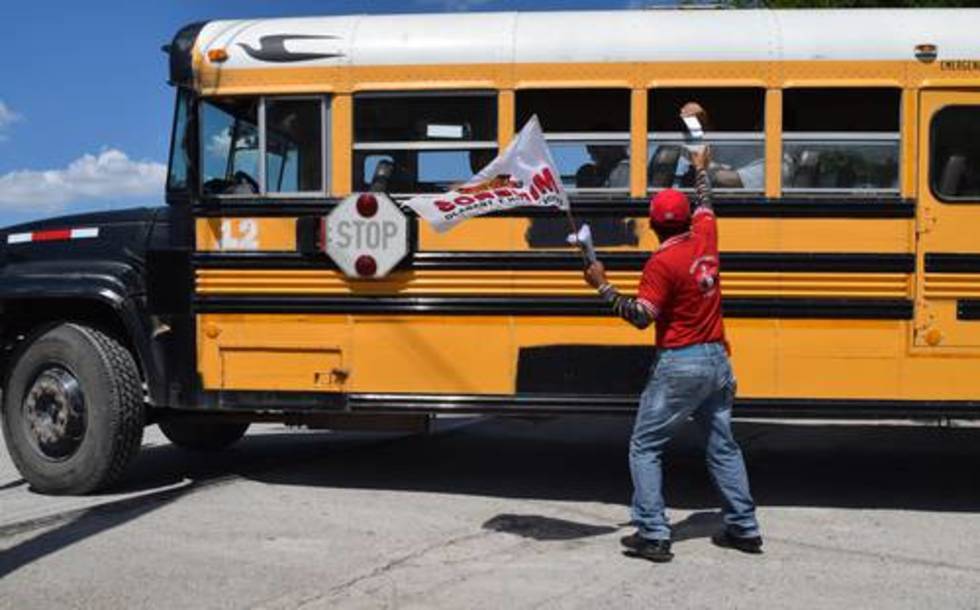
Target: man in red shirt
681, 291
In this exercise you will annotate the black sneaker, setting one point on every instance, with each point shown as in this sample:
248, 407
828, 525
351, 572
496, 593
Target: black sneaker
750, 544
657, 551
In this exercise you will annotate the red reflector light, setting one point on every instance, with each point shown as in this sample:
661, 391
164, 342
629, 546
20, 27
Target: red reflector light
365, 265
367, 205
53, 235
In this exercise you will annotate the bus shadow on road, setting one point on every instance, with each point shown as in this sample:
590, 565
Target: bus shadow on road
584, 459
567, 459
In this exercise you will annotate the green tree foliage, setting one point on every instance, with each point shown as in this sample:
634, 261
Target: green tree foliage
866, 3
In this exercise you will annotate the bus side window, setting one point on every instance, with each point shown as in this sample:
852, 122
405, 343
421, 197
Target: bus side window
735, 131
841, 141
287, 158
179, 168
588, 134
230, 146
430, 141
294, 145
954, 166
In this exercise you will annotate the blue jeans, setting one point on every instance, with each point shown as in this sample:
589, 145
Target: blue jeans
694, 381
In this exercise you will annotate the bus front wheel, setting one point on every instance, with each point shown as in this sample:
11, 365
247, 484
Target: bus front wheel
73, 410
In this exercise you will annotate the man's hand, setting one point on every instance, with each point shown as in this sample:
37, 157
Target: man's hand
595, 274
701, 159
696, 110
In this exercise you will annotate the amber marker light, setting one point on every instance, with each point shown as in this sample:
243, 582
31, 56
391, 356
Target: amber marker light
217, 56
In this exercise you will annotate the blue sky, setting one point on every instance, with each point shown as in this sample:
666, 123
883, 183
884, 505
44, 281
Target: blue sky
85, 110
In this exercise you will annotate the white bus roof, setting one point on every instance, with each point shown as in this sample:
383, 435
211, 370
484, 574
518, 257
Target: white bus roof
594, 37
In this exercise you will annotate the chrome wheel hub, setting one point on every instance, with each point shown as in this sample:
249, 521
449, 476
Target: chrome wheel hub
54, 411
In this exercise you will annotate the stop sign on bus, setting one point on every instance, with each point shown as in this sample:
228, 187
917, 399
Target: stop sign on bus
366, 235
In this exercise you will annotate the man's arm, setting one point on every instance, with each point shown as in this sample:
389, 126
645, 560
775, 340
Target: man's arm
702, 184
637, 311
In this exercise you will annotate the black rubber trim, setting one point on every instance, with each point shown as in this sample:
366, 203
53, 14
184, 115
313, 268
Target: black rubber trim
832, 309
730, 261
567, 404
968, 309
241, 400
268, 208
814, 309
181, 52
585, 207
262, 260
952, 263
570, 261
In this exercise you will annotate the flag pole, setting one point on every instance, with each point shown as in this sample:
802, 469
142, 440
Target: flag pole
574, 227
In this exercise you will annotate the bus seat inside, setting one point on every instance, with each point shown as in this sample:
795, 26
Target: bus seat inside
951, 179
663, 165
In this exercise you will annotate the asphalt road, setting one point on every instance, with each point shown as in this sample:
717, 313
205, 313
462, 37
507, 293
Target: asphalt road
503, 513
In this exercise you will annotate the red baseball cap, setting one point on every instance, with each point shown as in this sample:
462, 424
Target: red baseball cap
670, 207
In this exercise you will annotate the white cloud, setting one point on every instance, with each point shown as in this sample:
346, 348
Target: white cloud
110, 175
219, 144
7, 117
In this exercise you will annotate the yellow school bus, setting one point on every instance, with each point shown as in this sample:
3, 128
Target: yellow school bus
850, 265
847, 178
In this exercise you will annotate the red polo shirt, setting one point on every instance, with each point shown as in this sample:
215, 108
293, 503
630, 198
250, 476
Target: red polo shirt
681, 283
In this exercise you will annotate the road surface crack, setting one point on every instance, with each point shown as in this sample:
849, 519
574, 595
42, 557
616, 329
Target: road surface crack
392, 565
883, 556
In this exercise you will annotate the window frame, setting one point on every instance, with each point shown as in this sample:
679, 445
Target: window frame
449, 145
587, 138
855, 137
678, 137
595, 138
697, 92
184, 97
324, 144
325, 100
931, 167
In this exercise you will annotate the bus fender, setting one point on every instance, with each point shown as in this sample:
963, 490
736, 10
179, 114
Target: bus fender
32, 294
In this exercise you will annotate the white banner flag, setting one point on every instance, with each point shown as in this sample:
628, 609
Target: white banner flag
523, 175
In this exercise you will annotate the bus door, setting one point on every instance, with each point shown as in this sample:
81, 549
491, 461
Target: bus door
948, 220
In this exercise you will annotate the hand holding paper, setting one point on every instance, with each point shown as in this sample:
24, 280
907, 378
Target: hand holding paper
694, 128
595, 275
694, 118
583, 239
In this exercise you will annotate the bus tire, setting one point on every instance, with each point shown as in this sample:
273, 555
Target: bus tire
187, 433
73, 410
